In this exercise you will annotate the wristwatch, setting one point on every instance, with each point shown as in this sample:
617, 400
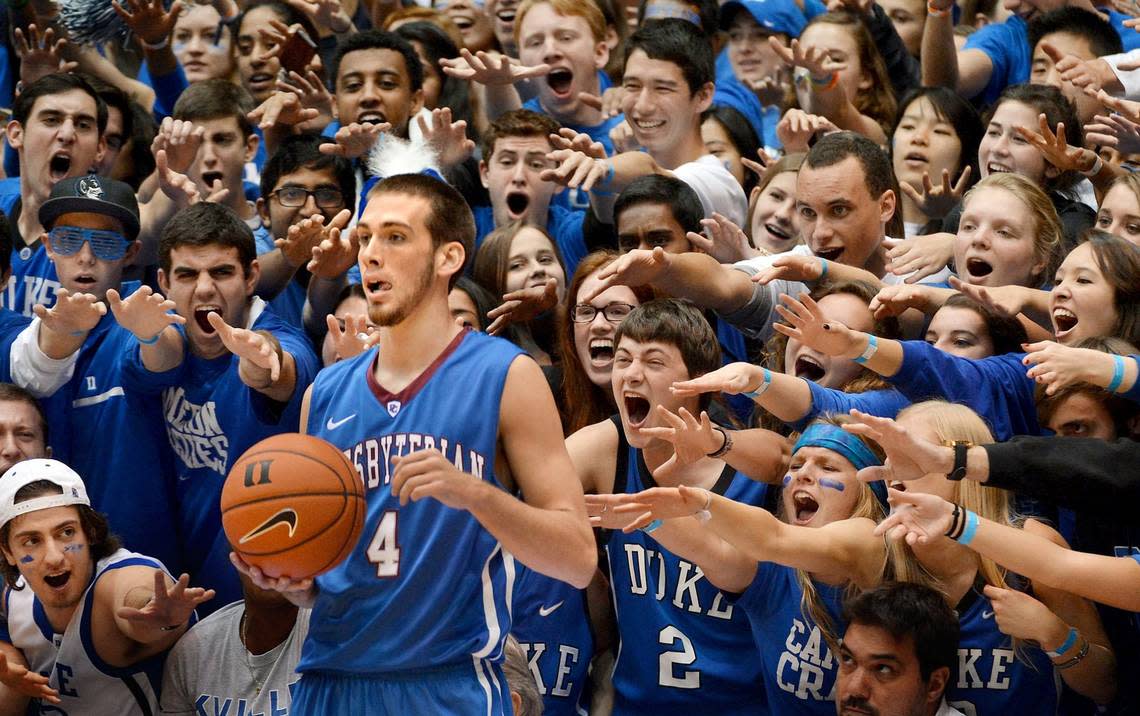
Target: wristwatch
960, 448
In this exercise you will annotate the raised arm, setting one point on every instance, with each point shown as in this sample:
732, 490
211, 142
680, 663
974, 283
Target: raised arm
697, 277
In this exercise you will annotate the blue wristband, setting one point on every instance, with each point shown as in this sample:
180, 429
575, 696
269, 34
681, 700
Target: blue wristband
1070, 642
150, 341
823, 273
967, 535
1117, 374
754, 394
872, 347
651, 526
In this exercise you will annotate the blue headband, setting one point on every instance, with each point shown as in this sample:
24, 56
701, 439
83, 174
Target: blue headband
836, 439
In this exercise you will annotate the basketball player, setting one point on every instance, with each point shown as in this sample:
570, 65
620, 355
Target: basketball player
86, 622
414, 620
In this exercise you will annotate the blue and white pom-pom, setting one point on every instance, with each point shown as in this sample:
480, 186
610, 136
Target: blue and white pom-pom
391, 156
94, 22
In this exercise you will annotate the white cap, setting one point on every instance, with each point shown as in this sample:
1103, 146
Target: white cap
29, 471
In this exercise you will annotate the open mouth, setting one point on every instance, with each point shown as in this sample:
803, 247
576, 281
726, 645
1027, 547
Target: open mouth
84, 281
648, 124
601, 352
805, 507
979, 267
1064, 320
211, 177
261, 78
57, 581
636, 409
776, 232
59, 166
517, 204
995, 168
506, 16
808, 368
829, 254
916, 158
463, 22
559, 80
371, 118
202, 318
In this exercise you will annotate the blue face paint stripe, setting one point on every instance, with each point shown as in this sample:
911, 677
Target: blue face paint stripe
73, 548
27, 560
833, 484
787, 480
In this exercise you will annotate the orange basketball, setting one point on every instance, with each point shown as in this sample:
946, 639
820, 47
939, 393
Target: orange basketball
293, 505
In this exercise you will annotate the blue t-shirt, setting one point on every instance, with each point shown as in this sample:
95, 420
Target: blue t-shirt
289, 305
881, 403
597, 132
33, 280
211, 418
114, 438
563, 225
11, 323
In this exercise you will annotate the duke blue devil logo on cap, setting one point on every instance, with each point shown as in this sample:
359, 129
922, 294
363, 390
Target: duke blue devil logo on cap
90, 187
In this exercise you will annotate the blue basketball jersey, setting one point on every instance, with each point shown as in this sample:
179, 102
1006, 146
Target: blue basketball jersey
211, 418
991, 678
799, 668
427, 586
682, 642
11, 323
552, 623
93, 418
33, 282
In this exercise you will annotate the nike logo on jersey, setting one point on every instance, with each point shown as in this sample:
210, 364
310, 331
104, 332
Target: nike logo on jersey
547, 611
286, 517
987, 615
334, 424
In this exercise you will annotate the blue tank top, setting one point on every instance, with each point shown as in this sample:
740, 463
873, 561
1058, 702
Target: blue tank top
552, 624
799, 669
991, 678
427, 585
682, 642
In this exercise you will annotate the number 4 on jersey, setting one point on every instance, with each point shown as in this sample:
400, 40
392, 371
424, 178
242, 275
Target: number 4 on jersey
384, 550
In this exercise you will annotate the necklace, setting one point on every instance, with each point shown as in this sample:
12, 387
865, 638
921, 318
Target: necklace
257, 684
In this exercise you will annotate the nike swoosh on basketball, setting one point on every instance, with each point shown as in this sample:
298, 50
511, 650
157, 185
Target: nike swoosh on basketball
334, 424
987, 615
286, 517
547, 611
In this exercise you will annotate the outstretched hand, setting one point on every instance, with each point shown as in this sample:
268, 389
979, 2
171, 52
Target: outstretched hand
908, 457
523, 305
635, 268
249, 346
168, 607
692, 438
806, 323
144, 313
24, 681
72, 313
916, 517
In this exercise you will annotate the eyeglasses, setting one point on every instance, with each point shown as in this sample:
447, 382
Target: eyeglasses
614, 312
106, 245
327, 197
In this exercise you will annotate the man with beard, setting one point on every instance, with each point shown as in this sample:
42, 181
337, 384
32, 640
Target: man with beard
414, 620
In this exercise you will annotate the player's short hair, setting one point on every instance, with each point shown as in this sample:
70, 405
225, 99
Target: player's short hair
101, 543
588, 11
302, 151
450, 219
679, 323
517, 123
207, 224
666, 191
216, 99
380, 40
57, 83
905, 609
12, 393
679, 42
1102, 38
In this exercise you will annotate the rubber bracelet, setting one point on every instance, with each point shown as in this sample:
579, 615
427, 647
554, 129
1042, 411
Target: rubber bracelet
760, 389
936, 12
152, 340
609, 174
651, 526
1096, 167
1117, 374
971, 527
1070, 642
823, 271
156, 46
703, 515
827, 84
869, 351
725, 447
1076, 659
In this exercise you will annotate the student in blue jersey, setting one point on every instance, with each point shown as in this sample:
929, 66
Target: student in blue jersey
92, 228
515, 149
898, 653
231, 374
86, 622
444, 425
681, 641
56, 129
302, 188
1095, 295
786, 574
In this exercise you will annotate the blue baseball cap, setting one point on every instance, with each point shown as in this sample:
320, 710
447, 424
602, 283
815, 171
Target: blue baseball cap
782, 16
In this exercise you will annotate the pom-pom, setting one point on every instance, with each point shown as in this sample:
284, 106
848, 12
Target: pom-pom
94, 22
391, 156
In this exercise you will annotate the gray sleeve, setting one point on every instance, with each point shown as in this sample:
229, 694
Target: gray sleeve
755, 318
175, 699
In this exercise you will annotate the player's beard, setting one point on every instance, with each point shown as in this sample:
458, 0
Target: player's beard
395, 314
